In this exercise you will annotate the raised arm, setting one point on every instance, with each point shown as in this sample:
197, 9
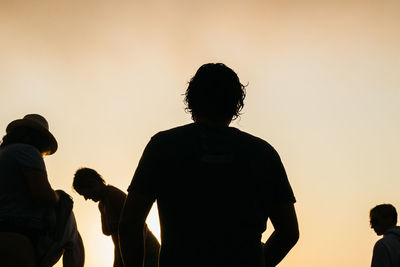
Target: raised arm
285, 235
131, 228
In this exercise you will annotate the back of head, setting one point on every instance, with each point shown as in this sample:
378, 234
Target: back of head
86, 178
215, 93
386, 212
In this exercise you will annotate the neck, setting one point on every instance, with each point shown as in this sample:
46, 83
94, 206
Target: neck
211, 122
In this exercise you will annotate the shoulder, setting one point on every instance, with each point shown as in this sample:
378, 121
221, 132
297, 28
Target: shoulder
390, 239
250, 137
173, 136
253, 142
115, 191
115, 195
174, 132
381, 244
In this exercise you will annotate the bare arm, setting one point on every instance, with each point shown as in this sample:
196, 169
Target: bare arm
105, 227
131, 228
40, 188
110, 209
114, 204
285, 235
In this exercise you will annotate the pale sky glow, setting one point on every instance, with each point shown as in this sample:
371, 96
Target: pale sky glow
324, 90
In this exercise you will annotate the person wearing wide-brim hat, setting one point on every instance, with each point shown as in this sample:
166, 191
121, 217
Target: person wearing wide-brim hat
25, 191
33, 128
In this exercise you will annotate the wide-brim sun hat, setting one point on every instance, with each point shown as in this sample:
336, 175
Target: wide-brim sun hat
39, 123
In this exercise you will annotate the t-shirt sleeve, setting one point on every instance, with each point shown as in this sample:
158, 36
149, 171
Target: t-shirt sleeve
28, 156
278, 186
145, 179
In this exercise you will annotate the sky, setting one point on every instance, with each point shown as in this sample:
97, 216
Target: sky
323, 88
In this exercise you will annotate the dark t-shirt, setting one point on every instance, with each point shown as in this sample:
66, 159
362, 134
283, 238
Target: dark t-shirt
16, 205
214, 188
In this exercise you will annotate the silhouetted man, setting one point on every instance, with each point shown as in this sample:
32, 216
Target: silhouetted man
383, 219
89, 184
215, 186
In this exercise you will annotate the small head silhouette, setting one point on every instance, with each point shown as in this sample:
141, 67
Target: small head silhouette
382, 217
215, 93
32, 129
88, 183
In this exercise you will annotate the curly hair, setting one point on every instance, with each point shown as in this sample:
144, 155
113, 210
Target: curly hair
215, 92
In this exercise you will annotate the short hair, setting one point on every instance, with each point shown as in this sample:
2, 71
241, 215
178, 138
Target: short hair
86, 178
215, 92
385, 211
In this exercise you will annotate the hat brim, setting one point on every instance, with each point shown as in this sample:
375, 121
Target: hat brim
51, 140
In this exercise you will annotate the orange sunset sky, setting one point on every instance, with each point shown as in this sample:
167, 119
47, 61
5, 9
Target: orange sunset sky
324, 90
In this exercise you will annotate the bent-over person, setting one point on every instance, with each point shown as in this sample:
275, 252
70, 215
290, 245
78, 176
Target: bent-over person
88, 183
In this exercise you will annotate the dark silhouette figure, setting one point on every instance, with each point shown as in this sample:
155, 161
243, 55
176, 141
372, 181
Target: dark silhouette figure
215, 186
383, 219
37, 225
88, 183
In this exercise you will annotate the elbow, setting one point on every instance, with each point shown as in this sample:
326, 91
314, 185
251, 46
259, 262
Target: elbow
107, 233
289, 236
293, 237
